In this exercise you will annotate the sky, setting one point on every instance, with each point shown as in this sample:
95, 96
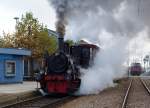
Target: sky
9, 9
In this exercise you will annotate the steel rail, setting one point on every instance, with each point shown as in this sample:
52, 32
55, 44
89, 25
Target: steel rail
21, 102
145, 86
126, 95
55, 102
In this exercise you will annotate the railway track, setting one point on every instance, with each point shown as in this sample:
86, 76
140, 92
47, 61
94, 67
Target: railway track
39, 102
137, 94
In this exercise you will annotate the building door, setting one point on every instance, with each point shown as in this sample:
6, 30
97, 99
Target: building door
26, 69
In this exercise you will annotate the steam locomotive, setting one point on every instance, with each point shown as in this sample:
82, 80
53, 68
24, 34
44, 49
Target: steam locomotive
136, 69
61, 70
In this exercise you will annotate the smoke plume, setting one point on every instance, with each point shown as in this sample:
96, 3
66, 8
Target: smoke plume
61, 10
111, 24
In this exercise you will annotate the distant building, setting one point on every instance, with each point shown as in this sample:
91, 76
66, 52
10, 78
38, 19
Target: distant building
12, 64
52, 33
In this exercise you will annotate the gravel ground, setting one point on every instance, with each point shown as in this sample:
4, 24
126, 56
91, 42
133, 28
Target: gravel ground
10, 98
138, 96
109, 98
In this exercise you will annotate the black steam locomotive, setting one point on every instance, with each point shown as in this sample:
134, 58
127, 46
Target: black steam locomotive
61, 73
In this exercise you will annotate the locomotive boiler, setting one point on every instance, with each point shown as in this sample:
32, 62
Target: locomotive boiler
61, 70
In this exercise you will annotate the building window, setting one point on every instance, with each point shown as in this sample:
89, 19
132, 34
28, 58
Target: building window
10, 68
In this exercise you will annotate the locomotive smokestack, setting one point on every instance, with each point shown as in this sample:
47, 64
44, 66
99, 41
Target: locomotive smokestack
61, 32
60, 43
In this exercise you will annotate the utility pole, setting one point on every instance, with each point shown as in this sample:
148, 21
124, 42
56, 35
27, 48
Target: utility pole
17, 20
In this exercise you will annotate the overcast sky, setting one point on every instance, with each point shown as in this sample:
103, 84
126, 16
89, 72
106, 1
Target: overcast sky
15, 8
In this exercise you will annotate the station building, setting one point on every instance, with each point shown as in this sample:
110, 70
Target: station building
12, 64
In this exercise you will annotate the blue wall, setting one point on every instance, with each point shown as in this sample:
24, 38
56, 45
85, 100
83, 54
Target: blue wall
19, 68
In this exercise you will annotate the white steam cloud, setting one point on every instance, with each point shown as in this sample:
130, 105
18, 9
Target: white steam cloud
113, 24
108, 66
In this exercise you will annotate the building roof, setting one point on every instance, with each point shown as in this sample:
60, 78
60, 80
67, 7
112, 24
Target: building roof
51, 32
15, 51
84, 42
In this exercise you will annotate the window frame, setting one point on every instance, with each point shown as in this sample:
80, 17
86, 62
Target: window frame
8, 74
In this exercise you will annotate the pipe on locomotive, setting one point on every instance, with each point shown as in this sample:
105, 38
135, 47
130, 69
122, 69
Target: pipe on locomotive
60, 43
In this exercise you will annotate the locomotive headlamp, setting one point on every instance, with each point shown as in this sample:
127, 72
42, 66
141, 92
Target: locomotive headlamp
69, 71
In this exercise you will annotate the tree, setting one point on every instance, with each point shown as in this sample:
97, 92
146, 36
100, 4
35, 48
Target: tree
32, 35
7, 40
70, 42
1, 42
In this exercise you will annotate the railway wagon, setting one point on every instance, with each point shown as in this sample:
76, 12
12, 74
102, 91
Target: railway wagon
136, 69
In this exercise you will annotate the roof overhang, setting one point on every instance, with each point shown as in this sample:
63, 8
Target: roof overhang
15, 51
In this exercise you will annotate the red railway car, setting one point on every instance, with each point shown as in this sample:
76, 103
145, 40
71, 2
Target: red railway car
136, 69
